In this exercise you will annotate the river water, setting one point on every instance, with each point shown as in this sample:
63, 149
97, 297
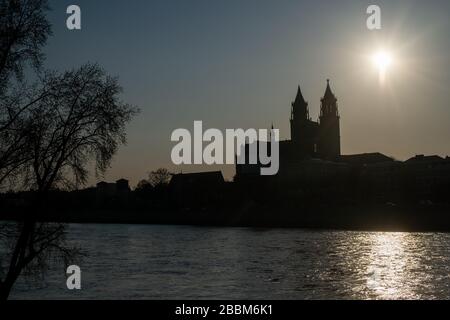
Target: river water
184, 262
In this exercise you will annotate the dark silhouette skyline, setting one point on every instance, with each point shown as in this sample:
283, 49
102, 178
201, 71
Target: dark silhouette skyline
64, 119
235, 65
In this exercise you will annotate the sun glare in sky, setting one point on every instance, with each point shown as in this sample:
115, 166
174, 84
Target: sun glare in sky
382, 60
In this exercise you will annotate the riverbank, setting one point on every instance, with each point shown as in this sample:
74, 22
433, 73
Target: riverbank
361, 218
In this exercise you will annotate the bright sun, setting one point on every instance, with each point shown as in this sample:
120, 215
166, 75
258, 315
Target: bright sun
382, 60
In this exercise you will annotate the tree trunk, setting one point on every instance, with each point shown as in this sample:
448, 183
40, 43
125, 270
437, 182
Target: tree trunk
6, 287
18, 260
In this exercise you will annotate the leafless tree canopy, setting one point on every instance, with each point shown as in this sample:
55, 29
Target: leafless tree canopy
160, 177
24, 29
78, 118
70, 119
50, 134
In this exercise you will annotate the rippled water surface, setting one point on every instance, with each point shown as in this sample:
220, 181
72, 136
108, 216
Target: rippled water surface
176, 262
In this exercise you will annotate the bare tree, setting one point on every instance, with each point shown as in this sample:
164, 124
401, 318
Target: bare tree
160, 177
143, 185
15, 126
48, 245
82, 119
77, 119
48, 134
24, 30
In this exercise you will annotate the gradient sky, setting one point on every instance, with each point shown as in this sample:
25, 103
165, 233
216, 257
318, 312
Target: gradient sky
236, 64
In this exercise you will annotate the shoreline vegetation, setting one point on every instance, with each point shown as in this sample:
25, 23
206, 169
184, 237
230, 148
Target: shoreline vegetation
206, 199
67, 207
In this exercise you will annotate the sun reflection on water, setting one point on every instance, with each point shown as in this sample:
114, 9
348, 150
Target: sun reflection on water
389, 266
172, 262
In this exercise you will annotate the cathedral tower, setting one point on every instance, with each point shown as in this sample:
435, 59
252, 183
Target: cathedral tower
303, 130
329, 139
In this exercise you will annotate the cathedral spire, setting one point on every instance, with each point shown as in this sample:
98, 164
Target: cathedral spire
299, 98
329, 103
300, 107
328, 93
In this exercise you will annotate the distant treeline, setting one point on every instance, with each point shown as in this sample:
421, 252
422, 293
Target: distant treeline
263, 202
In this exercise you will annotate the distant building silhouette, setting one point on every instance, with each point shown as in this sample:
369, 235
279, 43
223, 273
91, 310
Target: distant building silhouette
121, 186
424, 159
366, 158
199, 188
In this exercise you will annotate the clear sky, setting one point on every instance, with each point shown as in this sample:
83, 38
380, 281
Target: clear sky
236, 64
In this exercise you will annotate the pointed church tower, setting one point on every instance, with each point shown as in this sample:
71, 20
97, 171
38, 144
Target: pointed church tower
303, 130
329, 144
299, 114
300, 107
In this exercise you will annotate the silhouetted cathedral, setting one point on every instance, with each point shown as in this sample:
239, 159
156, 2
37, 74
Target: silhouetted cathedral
312, 166
312, 143
316, 139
